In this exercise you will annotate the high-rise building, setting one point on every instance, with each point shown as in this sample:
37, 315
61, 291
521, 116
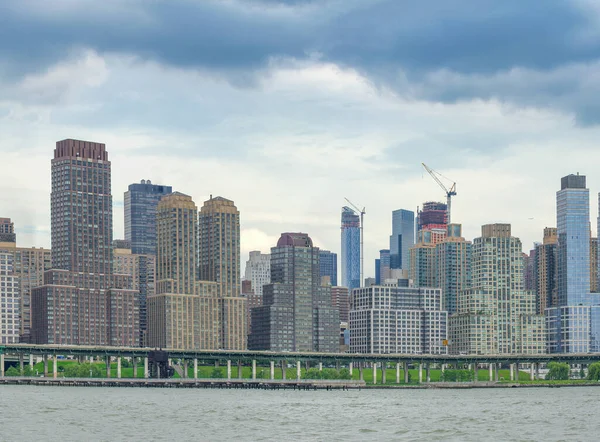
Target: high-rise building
574, 323
340, 300
422, 260
142, 269
594, 265
10, 319
382, 267
329, 266
529, 270
82, 302
297, 312
7, 231
496, 315
350, 248
453, 267
258, 271
252, 299
434, 216
219, 252
545, 271
402, 239
141, 200
399, 320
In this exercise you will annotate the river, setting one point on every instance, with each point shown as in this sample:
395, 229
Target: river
132, 414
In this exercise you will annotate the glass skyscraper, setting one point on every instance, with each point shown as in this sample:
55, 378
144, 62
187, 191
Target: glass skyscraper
140, 215
329, 265
350, 248
402, 239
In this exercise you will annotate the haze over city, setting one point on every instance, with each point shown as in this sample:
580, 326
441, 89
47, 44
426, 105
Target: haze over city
288, 107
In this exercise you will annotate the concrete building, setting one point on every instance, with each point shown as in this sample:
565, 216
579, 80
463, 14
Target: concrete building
453, 267
258, 271
340, 300
219, 259
141, 200
496, 315
422, 260
350, 248
402, 239
297, 312
142, 269
82, 302
7, 231
545, 271
574, 322
10, 318
328, 265
390, 319
382, 266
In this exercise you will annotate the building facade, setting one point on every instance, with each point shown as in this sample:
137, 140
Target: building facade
388, 319
297, 312
422, 260
82, 302
219, 260
546, 271
350, 248
402, 239
141, 200
453, 267
10, 317
328, 265
7, 231
496, 315
382, 267
258, 271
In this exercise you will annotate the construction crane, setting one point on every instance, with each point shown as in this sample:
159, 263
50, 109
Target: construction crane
362, 239
449, 192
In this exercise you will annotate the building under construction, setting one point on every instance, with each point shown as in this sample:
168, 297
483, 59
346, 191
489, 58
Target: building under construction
433, 216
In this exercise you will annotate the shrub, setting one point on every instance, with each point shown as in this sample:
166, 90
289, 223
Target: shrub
594, 372
13, 371
558, 371
216, 373
458, 376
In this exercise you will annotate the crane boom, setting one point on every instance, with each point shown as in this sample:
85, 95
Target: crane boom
362, 236
449, 192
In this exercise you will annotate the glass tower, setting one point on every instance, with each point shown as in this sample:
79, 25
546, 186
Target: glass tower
350, 248
140, 215
402, 239
329, 265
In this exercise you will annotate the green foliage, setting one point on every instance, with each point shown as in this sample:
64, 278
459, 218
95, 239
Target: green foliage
327, 373
594, 372
261, 374
457, 376
582, 373
13, 371
125, 363
216, 373
558, 371
82, 371
345, 374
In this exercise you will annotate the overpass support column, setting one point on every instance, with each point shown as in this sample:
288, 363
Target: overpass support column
428, 372
537, 370
45, 357
491, 368
186, 366
383, 372
420, 372
374, 373
360, 371
512, 372
21, 363
195, 368
1, 365
146, 372
350, 367
497, 366
108, 367
476, 372
55, 367
272, 370
228, 369
397, 372
31, 361
134, 361
253, 369
406, 379
240, 370
532, 372
320, 366
284, 370
298, 370
118, 367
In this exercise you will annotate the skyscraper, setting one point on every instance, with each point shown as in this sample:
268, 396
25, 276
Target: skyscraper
7, 231
453, 267
219, 251
382, 267
496, 315
141, 200
402, 239
258, 271
82, 301
422, 271
573, 324
350, 248
545, 271
10, 318
297, 312
329, 266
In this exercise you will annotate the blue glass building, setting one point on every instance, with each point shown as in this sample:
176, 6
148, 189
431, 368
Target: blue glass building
140, 215
402, 238
350, 248
328, 265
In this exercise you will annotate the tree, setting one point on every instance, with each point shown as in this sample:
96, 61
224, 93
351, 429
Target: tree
216, 373
558, 371
458, 376
13, 371
345, 374
594, 372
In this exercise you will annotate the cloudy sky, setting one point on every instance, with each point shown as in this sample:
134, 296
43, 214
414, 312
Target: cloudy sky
287, 107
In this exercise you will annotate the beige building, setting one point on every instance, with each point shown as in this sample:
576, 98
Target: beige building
422, 270
219, 261
453, 267
496, 315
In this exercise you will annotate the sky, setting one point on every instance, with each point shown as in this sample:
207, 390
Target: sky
288, 107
